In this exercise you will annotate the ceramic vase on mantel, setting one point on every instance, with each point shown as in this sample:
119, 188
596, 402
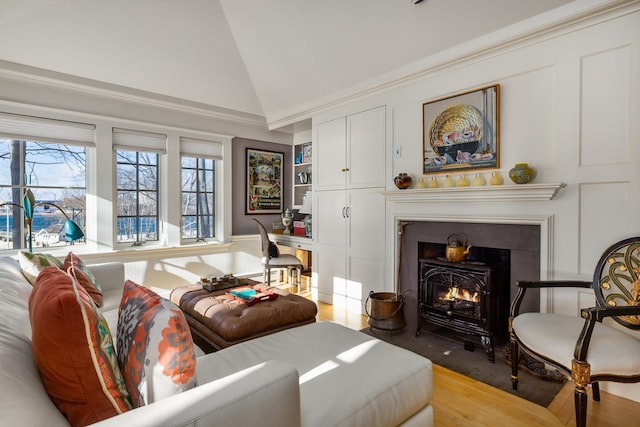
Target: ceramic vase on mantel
402, 181
522, 173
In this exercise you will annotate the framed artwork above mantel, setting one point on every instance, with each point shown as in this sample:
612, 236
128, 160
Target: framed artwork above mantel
462, 132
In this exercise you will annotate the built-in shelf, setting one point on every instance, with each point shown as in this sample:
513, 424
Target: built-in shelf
508, 193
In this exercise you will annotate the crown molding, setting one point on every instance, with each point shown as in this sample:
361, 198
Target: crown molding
19, 73
559, 21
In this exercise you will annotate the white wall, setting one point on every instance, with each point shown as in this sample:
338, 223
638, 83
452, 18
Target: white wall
570, 103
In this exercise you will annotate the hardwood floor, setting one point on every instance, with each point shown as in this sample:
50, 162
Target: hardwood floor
462, 401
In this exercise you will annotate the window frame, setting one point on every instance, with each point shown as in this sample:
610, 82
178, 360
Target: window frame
25, 185
137, 191
213, 192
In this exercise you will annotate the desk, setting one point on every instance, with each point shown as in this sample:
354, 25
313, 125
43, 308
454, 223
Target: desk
302, 247
291, 241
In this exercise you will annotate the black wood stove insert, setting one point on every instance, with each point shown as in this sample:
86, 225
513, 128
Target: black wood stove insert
467, 297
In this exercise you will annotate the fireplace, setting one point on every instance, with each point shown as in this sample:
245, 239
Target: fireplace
493, 243
469, 297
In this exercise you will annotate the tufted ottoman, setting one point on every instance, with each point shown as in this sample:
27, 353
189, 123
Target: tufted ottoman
218, 321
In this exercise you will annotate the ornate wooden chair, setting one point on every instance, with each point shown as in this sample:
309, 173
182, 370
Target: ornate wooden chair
586, 348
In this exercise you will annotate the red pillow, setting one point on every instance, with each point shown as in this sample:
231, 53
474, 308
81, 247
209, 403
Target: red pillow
73, 349
75, 267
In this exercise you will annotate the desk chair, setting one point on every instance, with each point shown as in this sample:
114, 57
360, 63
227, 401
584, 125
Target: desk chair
290, 262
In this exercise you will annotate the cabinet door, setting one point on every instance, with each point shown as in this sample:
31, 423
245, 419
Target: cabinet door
329, 221
366, 246
329, 246
366, 148
329, 148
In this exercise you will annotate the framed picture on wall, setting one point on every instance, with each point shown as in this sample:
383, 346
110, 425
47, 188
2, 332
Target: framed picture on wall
264, 181
461, 132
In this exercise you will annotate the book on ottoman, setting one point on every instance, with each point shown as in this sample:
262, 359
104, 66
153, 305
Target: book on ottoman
251, 296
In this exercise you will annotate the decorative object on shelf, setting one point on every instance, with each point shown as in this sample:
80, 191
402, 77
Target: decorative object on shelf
421, 183
496, 178
461, 132
448, 181
457, 250
402, 181
307, 205
303, 177
264, 182
299, 158
306, 153
72, 230
463, 181
287, 220
521, 173
433, 182
479, 180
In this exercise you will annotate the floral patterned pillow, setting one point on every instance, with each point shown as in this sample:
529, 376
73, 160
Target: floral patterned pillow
154, 344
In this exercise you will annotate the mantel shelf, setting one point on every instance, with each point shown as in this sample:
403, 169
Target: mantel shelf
504, 193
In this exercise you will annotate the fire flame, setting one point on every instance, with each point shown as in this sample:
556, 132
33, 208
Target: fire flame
456, 293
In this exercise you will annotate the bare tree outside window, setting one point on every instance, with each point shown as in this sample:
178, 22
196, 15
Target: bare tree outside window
55, 173
137, 196
198, 195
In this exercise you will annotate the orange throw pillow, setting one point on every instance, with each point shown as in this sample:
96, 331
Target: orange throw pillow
74, 351
75, 267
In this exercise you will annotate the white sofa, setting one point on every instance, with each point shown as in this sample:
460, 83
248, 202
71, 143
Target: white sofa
321, 374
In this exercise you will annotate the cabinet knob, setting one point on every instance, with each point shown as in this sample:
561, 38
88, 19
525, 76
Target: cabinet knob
344, 169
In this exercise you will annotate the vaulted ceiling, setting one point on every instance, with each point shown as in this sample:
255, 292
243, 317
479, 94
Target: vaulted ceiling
270, 58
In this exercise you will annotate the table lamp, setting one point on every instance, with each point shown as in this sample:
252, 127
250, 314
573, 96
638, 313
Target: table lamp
72, 230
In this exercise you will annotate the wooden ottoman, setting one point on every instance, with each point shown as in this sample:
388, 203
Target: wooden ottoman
218, 320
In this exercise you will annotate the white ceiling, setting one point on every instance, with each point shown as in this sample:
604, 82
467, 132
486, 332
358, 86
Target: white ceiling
271, 58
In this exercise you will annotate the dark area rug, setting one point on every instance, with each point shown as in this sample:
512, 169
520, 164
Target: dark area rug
447, 349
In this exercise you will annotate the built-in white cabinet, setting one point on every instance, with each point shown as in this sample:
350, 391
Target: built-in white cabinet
351, 151
349, 218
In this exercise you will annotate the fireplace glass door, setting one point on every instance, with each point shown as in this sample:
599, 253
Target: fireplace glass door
458, 296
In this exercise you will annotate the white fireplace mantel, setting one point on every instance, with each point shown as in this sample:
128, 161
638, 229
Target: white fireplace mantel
507, 193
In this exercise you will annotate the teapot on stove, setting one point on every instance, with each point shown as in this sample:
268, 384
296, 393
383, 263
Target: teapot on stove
457, 250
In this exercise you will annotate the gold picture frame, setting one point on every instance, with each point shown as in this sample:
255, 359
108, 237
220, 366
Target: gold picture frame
462, 131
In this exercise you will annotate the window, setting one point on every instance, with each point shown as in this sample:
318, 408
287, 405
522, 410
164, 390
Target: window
137, 203
199, 158
55, 173
198, 196
48, 157
137, 200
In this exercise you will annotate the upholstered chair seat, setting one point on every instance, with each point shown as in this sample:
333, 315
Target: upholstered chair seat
555, 337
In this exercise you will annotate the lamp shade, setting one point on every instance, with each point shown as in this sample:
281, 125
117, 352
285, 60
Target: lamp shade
307, 203
72, 231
